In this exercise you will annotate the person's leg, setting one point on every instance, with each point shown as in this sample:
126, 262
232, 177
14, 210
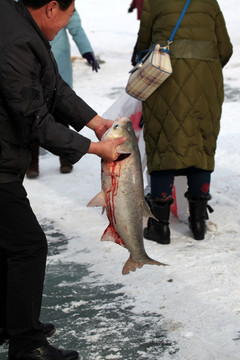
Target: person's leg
198, 182
65, 166
33, 169
24, 246
198, 196
162, 184
160, 201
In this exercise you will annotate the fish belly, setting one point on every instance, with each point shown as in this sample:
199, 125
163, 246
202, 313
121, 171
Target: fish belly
124, 199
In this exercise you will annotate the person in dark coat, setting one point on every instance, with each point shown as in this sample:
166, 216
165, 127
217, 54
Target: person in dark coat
182, 117
35, 103
60, 47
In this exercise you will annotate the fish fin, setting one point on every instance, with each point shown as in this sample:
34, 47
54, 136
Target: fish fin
132, 265
147, 211
98, 200
111, 235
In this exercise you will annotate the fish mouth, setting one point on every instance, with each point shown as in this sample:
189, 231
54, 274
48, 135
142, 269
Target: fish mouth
122, 157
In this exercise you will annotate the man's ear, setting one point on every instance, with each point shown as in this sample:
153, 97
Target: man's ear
51, 8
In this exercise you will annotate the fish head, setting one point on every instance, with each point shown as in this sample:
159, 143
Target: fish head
122, 127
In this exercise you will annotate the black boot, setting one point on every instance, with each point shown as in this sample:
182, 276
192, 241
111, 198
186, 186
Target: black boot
65, 166
45, 352
158, 230
198, 207
3, 336
33, 169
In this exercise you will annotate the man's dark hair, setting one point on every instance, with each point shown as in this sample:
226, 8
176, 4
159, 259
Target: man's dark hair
36, 4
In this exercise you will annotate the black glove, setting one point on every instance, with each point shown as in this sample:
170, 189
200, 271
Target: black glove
134, 56
89, 56
130, 9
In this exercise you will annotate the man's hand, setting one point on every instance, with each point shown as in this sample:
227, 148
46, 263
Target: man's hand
106, 149
101, 129
99, 125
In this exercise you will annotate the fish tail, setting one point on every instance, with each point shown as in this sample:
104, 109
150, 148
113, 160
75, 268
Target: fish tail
132, 265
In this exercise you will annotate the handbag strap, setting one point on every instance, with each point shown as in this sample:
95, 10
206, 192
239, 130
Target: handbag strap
166, 48
179, 21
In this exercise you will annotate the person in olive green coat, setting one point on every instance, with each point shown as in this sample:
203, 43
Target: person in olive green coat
182, 117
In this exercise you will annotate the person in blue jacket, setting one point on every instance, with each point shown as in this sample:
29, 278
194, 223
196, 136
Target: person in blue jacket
61, 50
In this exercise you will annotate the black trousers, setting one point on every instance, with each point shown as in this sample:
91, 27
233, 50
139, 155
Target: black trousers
23, 251
198, 182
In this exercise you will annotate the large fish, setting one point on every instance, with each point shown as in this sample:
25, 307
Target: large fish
122, 196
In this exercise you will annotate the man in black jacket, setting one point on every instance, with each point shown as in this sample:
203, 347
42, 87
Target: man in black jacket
34, 104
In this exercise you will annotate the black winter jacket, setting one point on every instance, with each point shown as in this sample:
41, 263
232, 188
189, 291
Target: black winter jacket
34, 100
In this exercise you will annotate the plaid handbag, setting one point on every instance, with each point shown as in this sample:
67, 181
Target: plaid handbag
149, 73
154, 68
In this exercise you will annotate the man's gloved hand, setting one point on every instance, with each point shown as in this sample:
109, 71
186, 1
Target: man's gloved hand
89, 56
130, 9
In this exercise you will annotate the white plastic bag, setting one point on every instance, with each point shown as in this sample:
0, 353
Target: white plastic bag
130, 107
126, 106
180, 205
